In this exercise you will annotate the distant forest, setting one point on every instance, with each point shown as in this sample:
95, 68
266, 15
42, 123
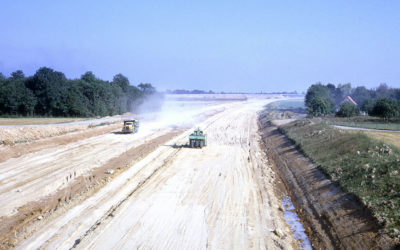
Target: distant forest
50, 93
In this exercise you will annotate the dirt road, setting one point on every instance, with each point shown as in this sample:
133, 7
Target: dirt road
219, 197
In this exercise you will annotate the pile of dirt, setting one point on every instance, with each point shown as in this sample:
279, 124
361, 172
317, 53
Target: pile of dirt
333, 219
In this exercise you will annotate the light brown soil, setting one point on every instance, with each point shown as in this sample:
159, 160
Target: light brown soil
333, 219
221, 196
16, 150
30, 121
10, 226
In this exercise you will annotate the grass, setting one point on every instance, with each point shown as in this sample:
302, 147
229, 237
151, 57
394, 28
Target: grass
360, 164
366, 122
386, 136
286, 105
36, 120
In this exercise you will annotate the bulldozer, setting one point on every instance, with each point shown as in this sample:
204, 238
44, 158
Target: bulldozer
130, 126
197, 139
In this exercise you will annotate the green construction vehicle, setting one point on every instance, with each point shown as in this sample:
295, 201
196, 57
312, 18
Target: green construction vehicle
197, 139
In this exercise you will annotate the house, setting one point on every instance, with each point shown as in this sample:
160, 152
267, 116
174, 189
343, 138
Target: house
350, 100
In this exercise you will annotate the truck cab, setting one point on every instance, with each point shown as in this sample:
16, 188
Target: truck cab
130, 126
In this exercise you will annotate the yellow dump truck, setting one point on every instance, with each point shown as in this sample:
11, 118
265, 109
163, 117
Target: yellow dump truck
130, 126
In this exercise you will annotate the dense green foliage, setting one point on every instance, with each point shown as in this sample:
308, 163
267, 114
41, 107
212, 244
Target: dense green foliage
359, 164
348, 109
320, 106
382, 101
50, 93
386, 108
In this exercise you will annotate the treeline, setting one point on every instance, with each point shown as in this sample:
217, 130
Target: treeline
329, 99
50, 93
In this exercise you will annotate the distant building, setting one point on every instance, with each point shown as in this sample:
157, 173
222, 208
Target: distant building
350, 100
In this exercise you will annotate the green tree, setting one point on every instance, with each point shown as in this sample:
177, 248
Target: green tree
49, 87
17, 74
122, 82
16, 99
386, 108
89, 77
318, 94
147, 88
361, 95
320, 106
348, 109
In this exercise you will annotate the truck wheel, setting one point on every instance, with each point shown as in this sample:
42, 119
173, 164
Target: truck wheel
201, 144
192, 143
197, 143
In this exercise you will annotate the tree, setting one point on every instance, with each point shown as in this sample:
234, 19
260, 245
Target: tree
122, 82
318, 94
386, 108
17, 74
16, 99
89, 77
382, 91
348, 109
361, 95
147, 88
50, 93
49, 87
341, 92
320, 106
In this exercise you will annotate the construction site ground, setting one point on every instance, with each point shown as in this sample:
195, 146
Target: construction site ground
147, 190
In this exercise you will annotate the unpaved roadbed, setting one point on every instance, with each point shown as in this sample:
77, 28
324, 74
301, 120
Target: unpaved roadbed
219, 197
333, 219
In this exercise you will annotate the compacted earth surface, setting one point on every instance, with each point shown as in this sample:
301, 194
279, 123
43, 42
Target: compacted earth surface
95, 188
147, 190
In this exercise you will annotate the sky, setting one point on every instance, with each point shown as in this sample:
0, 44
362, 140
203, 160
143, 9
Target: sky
231, 46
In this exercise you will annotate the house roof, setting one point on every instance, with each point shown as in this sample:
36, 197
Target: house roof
349, 99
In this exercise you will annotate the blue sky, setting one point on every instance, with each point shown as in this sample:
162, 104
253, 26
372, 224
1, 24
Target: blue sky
219, 45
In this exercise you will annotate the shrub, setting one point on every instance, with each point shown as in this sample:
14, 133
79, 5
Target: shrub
320, 106
348, 110
386, 108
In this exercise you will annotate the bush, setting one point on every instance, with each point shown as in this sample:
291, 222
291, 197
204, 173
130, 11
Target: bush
348, 110
386, 108
320, 106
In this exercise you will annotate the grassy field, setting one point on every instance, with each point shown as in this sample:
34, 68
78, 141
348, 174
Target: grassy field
358, 163
286, 105
36, 121
387, 137
365, 122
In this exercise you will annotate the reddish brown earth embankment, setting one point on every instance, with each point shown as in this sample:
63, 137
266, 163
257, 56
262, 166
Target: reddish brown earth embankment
333, 219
